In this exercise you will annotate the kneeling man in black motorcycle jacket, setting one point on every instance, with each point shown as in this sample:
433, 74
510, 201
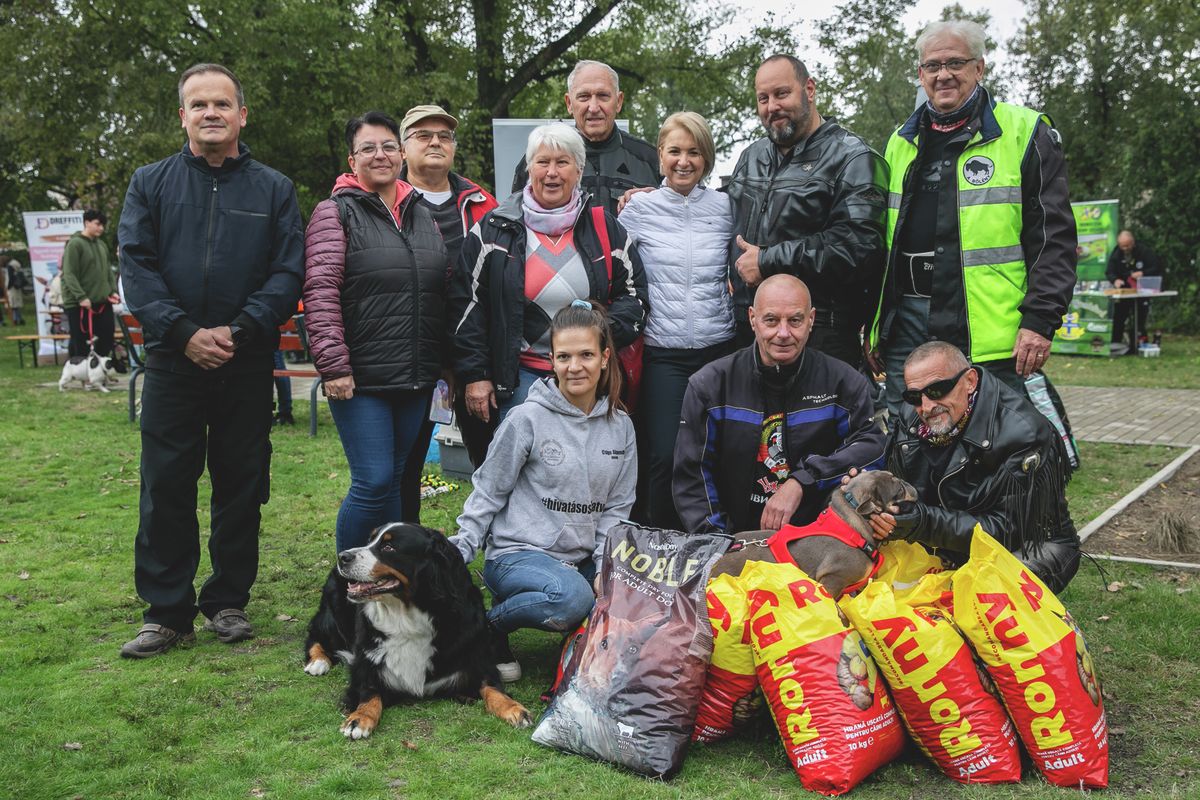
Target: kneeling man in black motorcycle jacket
978, 452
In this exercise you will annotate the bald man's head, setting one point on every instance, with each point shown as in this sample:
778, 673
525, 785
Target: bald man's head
782, 319
1125, 241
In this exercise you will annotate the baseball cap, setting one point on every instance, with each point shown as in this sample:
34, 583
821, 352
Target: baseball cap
418, 113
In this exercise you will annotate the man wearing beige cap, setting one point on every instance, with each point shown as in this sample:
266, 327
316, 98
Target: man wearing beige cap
428, 142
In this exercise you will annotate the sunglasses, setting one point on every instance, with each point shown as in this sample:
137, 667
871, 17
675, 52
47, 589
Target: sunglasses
934, 391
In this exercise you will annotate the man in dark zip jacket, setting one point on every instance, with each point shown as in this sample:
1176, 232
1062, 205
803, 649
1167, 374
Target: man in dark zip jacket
212, 258
768, 432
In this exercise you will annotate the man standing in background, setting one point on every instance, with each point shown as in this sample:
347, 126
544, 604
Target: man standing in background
89, 288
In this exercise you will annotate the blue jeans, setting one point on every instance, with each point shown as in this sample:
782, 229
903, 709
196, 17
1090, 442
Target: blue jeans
378, 431
531, 589
527, 378
283, 387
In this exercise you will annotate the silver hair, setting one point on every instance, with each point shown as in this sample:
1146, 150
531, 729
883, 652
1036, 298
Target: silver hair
557, 137
582, 65
938, 349
971, 34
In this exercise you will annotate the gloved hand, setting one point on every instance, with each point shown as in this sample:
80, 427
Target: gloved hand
910, 521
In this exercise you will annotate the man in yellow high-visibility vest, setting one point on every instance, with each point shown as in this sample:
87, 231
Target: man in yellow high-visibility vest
980, 233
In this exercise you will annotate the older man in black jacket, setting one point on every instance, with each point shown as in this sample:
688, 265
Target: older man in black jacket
212, 258
811, 201
978, 452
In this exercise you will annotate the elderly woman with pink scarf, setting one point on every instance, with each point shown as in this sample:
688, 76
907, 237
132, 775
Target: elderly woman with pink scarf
531, 256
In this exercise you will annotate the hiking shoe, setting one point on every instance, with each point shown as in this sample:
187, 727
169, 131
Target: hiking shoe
230, 625
154, 639
506, 663
283, 418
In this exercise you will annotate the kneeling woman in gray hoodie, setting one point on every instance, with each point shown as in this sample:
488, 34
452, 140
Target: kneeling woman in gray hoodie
561, 471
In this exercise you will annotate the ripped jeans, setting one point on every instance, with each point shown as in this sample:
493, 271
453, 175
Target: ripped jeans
531, 589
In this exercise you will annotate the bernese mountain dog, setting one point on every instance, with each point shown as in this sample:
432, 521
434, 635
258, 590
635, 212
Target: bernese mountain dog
405, 616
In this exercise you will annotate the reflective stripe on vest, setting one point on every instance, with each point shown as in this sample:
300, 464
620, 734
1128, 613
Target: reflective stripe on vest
989, 224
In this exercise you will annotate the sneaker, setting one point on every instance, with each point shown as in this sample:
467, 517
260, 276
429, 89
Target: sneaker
154, 639
506, 663
283, 418
230, 625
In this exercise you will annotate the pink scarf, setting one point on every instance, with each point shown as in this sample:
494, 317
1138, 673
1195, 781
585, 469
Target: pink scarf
550, 221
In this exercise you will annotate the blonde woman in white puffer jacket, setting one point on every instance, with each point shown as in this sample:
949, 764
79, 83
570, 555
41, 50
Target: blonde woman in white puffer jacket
683, 231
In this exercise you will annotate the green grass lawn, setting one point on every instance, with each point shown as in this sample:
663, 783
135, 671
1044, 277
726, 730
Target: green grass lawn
219, 721
1177, 368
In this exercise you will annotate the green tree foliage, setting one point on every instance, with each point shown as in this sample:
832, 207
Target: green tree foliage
1122, 81
90, 85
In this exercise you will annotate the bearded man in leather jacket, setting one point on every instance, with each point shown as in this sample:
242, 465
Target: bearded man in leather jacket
810, 201
978, 452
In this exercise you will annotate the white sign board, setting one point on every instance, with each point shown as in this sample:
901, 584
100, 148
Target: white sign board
47, 233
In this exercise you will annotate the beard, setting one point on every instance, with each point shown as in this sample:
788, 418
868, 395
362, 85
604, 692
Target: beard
789, 133
939, 421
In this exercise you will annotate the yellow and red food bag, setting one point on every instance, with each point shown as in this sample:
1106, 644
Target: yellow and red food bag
905, 563
1039, 662
831, 708
730, 695
934, 681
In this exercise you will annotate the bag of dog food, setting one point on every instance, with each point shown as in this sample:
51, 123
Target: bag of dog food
830, 705
1039, 661
935, 682
731, 697
632, 683
905, 563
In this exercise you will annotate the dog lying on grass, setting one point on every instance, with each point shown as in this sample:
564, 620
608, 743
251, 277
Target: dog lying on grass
838, 550
403, 613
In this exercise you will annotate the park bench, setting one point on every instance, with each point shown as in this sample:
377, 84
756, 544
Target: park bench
30, 342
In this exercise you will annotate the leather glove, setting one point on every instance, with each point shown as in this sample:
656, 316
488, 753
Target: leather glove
910, 521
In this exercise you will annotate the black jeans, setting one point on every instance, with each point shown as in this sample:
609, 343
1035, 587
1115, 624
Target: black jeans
1122, 314
665, 373
101, 325
189, 418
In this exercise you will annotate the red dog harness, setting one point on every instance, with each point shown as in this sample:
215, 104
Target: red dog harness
829, 523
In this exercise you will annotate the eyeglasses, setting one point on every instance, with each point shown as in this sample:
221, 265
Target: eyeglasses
934, 391
425, 137
389, 148
954, 65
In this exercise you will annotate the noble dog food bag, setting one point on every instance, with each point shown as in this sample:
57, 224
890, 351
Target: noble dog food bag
830, 706
934, 681
632, 682
731, 695
1039, 662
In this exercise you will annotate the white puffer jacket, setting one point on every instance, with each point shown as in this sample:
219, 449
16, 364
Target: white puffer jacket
684, 244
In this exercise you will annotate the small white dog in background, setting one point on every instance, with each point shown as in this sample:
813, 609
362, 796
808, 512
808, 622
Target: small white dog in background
93, 371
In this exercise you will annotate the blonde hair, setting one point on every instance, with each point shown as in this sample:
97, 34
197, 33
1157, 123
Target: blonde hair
695, 126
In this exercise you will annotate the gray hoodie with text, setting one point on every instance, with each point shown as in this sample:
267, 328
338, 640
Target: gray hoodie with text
555, 480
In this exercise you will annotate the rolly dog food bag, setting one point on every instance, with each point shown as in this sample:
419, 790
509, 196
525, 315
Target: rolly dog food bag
632, 682
830, 705
1039, 662
935, 683
731, 696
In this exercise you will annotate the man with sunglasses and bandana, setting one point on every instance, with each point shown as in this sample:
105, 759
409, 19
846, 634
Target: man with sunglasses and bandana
980, 233
978, 451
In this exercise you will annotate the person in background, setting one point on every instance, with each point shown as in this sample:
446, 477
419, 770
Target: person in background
14, 289
375, 313
89, 288
428, 144
616, 161
682, 231
528, 258
1129, 261
544, 499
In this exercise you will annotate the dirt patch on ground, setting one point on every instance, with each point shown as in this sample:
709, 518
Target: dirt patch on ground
1135, 531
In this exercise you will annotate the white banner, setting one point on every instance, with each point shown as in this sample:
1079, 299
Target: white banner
47, 233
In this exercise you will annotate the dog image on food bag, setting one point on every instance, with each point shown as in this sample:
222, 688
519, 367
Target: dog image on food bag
1039, 661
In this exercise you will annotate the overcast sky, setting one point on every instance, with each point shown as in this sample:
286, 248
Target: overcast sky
1006, 17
